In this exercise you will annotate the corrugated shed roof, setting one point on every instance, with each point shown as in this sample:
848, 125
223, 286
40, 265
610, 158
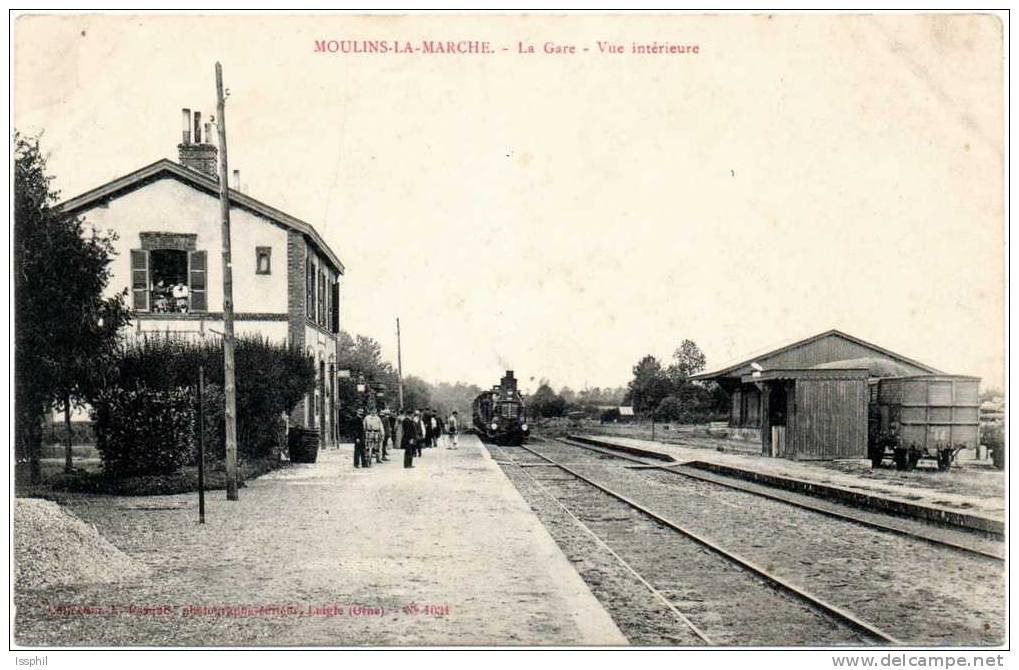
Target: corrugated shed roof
734, 369
876, 367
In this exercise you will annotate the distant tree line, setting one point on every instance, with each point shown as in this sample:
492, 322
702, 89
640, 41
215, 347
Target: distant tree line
361, 356
592, 402
662, 392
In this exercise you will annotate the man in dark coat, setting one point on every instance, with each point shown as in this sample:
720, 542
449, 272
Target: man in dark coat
420, 435
408, 433
360, 452
440, 428
426, 424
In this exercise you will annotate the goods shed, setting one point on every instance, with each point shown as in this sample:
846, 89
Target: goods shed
809, 400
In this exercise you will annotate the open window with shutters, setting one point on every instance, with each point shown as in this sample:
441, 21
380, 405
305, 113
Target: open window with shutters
168, 281
168, 277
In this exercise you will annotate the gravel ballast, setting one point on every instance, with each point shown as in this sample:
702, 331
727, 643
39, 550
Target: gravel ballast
53, 547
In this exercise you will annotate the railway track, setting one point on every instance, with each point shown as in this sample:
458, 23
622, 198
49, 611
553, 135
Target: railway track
920, 591
955, 540
731, 599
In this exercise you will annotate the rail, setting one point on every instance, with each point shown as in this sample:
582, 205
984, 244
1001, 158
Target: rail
802, 503
827, 608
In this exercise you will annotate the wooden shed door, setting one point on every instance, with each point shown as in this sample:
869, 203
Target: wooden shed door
779, 394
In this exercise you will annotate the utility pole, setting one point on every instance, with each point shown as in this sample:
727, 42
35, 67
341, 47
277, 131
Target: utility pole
201, 444
229, 386
399, 362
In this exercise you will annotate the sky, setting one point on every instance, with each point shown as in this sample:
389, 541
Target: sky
563, 215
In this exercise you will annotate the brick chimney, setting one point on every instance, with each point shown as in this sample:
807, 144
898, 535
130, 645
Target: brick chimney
195, 153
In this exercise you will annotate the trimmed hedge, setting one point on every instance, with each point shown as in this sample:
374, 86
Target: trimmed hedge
270, 380
144, 431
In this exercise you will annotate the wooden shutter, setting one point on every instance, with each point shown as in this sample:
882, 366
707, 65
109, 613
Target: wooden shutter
309, 279
140, 279
336, 307
322, 298
197, 276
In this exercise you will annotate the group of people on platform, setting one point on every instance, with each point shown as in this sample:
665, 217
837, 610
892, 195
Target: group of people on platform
380, 431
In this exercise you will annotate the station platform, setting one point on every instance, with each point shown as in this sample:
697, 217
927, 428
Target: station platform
964, 499
445, 554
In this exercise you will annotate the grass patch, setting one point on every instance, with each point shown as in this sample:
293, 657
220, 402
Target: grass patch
184, 480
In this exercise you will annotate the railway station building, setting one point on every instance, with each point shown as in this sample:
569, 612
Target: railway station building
809, 400
286, 278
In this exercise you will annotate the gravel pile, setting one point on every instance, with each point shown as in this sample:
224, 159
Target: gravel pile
52, 547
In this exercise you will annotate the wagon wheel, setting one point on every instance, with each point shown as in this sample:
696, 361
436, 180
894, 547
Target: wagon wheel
914, 458
945, 460
900, 459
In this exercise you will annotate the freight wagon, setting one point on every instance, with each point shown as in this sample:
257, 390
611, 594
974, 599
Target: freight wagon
922, 416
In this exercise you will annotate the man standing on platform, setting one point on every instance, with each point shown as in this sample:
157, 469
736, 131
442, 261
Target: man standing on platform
407, 431
426, 423
433, 437
420, 434
360, 452
374, 433
453, 424
440, 429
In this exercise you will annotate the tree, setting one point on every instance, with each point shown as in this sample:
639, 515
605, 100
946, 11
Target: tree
417, 393
362, 357
670, 394
990, 394
568, 395
545, 402
447, 397
669, 409
691, 403
650, 385
66, 331
688, 360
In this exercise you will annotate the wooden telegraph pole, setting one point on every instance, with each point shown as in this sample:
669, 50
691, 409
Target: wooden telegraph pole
229, 387
399, 362
201, 444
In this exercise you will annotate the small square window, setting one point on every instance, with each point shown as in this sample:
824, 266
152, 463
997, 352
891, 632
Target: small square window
263, 260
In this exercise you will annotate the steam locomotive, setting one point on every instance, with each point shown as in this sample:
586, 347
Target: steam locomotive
499, 414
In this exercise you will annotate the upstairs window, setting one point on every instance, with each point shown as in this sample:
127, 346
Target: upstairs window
263, 260
168, 281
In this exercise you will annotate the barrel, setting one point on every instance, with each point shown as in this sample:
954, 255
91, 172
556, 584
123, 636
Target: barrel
303, 445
